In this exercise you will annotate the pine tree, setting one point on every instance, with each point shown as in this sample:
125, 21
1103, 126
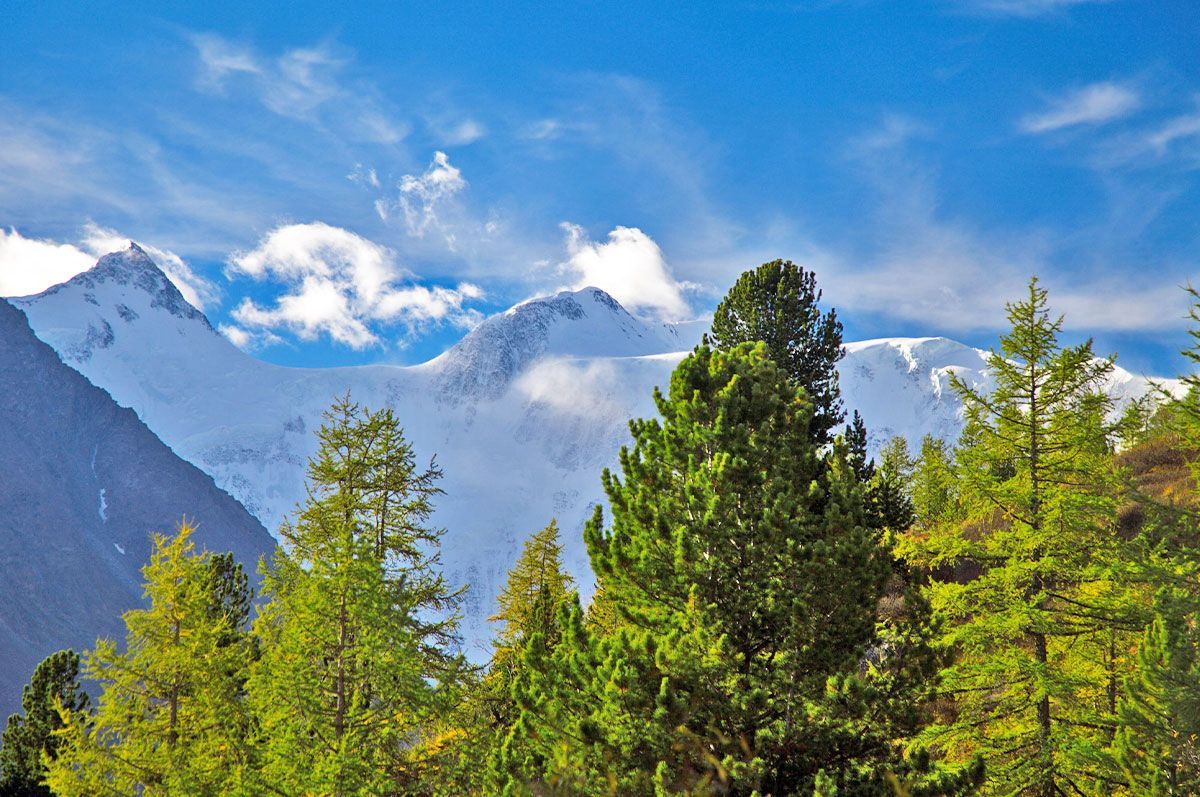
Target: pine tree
1158, 743
29, 738
777, 304
742, 586
356, 631
169, 720
1041, 623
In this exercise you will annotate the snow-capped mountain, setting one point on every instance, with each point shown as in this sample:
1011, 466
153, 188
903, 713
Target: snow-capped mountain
523, 413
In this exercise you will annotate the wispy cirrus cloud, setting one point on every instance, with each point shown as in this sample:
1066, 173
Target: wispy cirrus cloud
341, 285
303, 83
1095, 104
1026, 9
926, 266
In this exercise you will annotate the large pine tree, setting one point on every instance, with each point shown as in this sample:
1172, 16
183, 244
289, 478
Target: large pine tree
1027, 566
741, 584
356, 631
778, 304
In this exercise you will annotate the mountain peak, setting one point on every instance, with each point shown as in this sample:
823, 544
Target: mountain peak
581, 323
133, 268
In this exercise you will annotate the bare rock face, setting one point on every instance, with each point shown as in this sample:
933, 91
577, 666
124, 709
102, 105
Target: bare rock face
83, 486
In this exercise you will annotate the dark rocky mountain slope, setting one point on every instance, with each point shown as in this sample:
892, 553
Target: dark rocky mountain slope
83, 486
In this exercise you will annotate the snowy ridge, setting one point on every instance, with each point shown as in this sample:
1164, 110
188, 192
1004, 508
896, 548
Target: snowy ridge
522, 413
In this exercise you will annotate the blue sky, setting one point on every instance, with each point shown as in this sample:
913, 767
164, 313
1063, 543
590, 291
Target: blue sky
350, 186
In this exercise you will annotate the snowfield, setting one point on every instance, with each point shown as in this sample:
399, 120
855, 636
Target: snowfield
522, 414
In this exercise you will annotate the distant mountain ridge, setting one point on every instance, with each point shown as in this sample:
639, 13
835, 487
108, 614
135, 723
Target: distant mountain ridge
84, 485
522, 413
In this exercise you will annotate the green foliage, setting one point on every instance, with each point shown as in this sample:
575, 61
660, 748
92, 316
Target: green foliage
777, 304
1028, 573
528, 604
729, 661
1158, 744
29, 738
934, 487
170, 719
358, 622
889, 488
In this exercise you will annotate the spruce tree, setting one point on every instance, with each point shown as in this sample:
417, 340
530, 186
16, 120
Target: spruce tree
777, 304
29, 738
170, 719
889, 488
356, 631
1027, 569
741, 585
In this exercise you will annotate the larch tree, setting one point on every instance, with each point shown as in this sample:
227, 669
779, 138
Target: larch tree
170, 719
1027, 569
933, 485
358, 625
536, 588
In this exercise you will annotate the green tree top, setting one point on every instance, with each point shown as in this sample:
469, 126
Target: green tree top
29, 738
537, 585
777, 304
170, 719
1027, 567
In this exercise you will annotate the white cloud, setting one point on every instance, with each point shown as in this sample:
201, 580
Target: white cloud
31, 265
422, 196
1177, 129
199, 292
364, 176
339, 284
1025, 8
1096, 104
940, 273
236, 335
542, 130
466, 132
573, 387
303, 83
630, 266
220, 59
